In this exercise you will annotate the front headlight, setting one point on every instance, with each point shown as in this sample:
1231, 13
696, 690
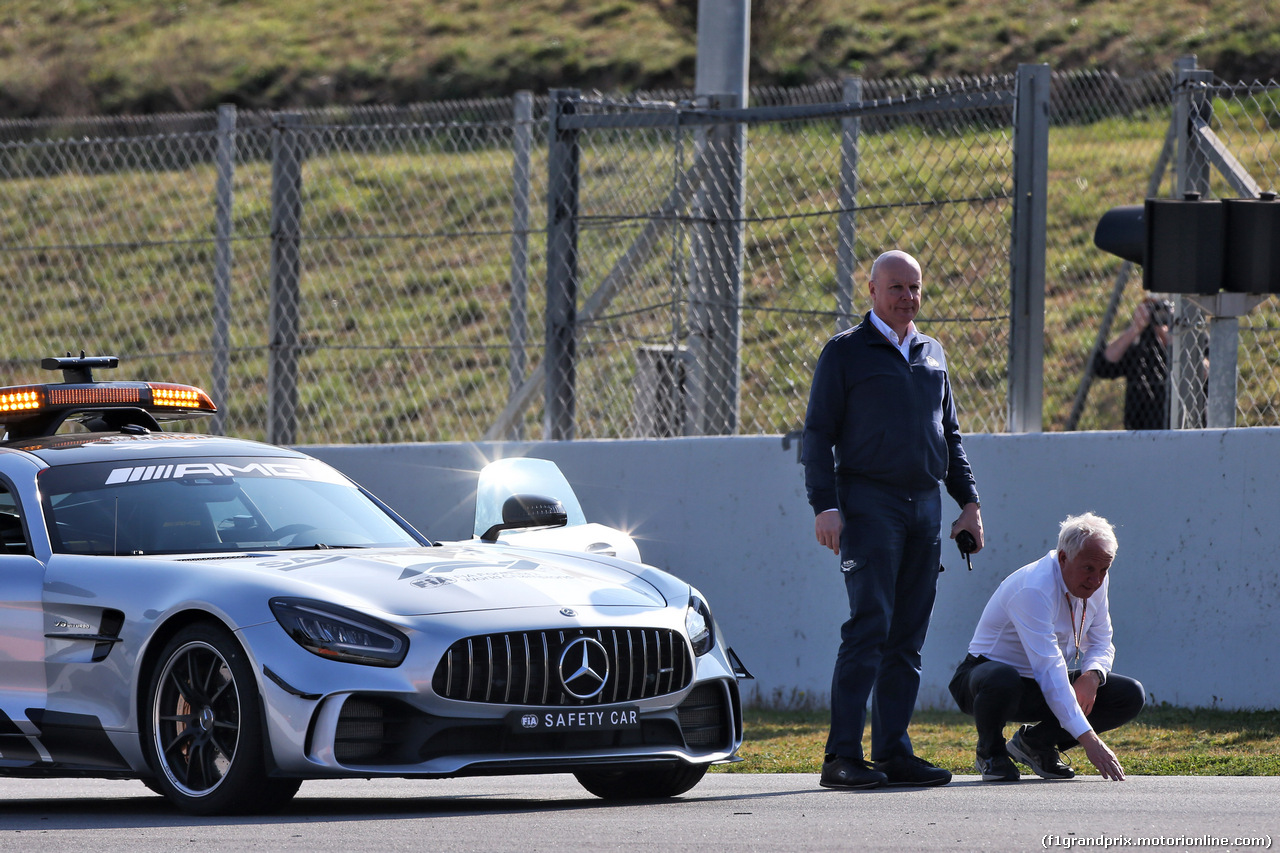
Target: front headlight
697, 621
337, 633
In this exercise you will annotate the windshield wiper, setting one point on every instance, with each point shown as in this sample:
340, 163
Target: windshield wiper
319, 546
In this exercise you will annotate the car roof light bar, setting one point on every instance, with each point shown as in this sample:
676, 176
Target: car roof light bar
29, 411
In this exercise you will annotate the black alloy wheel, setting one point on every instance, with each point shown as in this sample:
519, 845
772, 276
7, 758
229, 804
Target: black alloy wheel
203, 733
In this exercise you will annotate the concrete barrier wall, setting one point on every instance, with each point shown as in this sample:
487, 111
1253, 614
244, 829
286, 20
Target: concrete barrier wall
1195, 590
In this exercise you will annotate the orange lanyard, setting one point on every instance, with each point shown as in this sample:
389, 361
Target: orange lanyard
1076, 632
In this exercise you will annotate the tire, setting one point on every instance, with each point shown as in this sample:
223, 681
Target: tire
641, 782
202, 730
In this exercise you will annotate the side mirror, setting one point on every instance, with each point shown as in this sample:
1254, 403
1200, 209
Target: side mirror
522, 511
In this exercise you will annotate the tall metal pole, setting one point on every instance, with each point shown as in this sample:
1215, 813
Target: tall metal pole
1030, 214
720, 80
724, 48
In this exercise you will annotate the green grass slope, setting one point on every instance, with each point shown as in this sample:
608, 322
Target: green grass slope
78, 57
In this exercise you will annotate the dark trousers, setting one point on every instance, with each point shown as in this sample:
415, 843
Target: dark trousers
889, 552
995, 694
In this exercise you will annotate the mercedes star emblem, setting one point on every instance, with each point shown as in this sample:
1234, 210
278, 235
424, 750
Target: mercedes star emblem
584, 668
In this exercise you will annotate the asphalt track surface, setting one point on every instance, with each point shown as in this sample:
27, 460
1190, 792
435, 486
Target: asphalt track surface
727, 811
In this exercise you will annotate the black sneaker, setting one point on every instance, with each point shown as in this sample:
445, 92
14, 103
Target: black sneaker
912, 770
850, 773
1046, 762
998, 768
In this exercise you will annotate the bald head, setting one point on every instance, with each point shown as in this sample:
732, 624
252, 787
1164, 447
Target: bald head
896, 288
891, 258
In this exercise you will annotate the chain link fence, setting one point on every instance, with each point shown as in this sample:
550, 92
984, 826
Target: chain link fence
391, 284
821, 198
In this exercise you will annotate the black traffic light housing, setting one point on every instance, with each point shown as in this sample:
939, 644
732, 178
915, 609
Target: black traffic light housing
1253, 244
1198, 246
1185, 242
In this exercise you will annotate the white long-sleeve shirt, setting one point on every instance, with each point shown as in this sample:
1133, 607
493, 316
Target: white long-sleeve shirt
1032, 623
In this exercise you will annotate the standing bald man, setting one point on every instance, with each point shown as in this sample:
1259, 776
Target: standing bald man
880, 437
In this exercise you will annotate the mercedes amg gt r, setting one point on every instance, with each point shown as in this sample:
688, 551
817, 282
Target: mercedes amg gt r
224, 619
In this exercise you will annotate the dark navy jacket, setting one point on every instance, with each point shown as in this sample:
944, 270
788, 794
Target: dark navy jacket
875, 417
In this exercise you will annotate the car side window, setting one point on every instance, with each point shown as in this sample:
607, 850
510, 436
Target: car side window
13, 536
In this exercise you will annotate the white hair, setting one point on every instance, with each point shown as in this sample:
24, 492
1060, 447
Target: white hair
1076, 531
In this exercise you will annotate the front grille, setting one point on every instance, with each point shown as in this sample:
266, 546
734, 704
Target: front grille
524, 668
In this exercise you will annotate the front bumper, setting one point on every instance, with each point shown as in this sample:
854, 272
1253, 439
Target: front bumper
389, 722
367, 734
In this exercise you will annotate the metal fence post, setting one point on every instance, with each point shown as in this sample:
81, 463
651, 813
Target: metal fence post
1027, 254
563, 156
1189, 100
1186, 381
846, 249
715, 305
522, 145
225, 194
286, 219
1220, 384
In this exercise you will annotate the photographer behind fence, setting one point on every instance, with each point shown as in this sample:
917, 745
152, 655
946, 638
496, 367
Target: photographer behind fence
1140, 355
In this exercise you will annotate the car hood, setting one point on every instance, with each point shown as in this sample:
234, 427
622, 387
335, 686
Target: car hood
462, 577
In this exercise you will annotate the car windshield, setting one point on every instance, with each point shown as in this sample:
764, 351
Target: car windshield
184, 505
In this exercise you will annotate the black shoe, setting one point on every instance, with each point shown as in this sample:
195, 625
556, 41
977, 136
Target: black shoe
912, 770
997, 768
1046, 762
851, 773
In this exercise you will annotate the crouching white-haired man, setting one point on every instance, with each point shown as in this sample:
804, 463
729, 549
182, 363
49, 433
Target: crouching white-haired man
1042, 654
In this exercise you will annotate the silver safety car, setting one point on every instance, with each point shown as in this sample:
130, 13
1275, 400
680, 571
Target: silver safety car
224, 619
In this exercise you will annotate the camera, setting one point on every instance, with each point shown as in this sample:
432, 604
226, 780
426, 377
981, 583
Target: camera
1160, 311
